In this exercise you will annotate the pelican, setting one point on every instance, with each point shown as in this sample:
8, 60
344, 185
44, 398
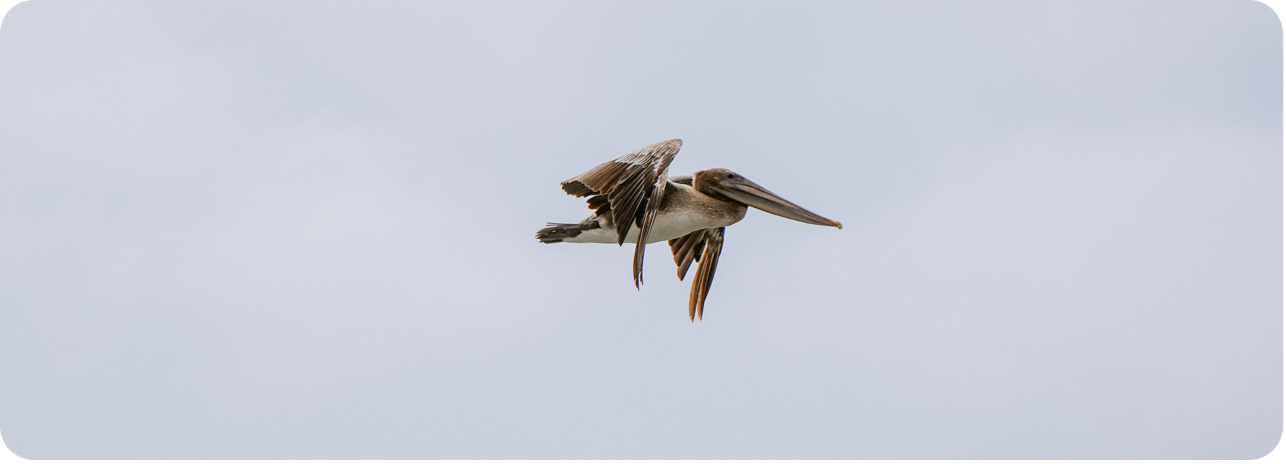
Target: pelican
634, 200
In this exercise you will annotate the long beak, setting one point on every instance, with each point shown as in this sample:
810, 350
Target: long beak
752, 194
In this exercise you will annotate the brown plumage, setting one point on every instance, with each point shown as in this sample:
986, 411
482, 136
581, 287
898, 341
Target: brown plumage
704, 247
634, 185
630, 193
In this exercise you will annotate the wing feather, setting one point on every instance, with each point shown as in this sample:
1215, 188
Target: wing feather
702, 246
634, 185
705, 272
687, 249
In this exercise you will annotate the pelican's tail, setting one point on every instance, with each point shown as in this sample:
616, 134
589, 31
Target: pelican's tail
555, 232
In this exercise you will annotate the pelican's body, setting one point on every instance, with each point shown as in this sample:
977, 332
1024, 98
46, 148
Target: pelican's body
683, 211
634, 200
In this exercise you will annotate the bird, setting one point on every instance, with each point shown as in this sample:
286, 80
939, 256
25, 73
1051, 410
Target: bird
635, 200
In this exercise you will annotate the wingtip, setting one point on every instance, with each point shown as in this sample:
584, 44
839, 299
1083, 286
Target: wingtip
672, 144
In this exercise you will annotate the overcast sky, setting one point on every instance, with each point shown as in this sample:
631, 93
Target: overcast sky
304, 229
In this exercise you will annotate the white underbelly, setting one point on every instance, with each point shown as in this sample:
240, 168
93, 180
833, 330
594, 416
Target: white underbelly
666, 227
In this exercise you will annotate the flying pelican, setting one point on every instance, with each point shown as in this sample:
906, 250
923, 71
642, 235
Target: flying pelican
634, 200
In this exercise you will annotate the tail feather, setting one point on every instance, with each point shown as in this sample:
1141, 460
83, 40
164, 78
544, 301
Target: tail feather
556, 232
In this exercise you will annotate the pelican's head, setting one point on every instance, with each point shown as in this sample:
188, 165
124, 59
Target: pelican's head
729, 186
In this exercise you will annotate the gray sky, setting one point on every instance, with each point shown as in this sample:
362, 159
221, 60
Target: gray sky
302, 229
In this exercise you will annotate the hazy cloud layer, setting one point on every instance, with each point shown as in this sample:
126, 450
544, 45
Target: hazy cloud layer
298, 229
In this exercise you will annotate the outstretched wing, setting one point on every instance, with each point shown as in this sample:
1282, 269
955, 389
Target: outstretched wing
633, 186
704, 247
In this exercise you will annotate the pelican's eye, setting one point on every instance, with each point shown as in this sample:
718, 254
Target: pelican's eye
732, 175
